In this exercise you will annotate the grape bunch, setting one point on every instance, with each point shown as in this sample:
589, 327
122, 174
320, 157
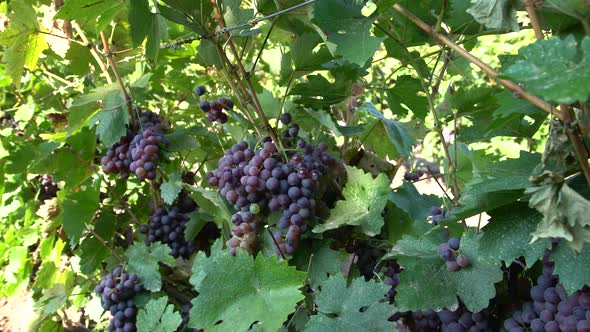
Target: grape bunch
243, 231
256, 181
137, 152
448, 252
392, 271
184, 313
214, 108
437, 214
145, 153
7, 120
116, 160
124, 237
413, 176
117, 291
552, 309
49, 189
290, 133
463, 320
168, 226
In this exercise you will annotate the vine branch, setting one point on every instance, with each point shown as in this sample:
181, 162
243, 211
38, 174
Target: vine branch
508, 84
93, 52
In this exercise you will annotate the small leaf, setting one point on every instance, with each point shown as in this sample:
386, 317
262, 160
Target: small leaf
339, 307
573, 269
407, 94
77, 211
365, 199
171, 188
158, 316
416, 205
144, 262
495, 14
564, 214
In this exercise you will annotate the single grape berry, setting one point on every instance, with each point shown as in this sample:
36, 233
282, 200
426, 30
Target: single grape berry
286, 118
462, 261
454, 243
200, 90
254, 208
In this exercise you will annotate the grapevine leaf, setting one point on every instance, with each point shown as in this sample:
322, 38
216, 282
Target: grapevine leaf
555, 69
495, 14
318, 92
507, 236
87, 10
365, 199
497, 183
407, 94
144, 262
398, 140
195, 224
78, 209
260, 289
92, 251
564, 214
22, 40
158, 316
573, 269
192, 14
426, 283
213, 203
413, 203
145, 24
111, 125
171, 188
346, 31
320, 261
339, 307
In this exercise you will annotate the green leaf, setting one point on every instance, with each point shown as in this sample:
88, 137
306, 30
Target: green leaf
346, 31
145, 24
407, 94
365, 199
416, 205
554, 69
318, 92
158, 316
497, 183
195, 224
507, 236
171, 188
78, 210
260, 289
399, 142
426, 283
319, 260
112, 125
92, 250
144, 262
573, 269
213, 203
195, 15
495, 14
22, 40
87, 10
564, 214
339, 307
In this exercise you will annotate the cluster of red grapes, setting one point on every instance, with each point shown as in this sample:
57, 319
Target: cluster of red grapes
291, 132
214, 108
413, 176
124, 237
168, 226
184, 313
257, 180
392, 271
49, 188
459, 320
137, 152
437, 214
117, 291
448, 252
552, 310
7, 120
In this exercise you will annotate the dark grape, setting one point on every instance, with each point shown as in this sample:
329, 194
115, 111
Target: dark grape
286, 118
200, 90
